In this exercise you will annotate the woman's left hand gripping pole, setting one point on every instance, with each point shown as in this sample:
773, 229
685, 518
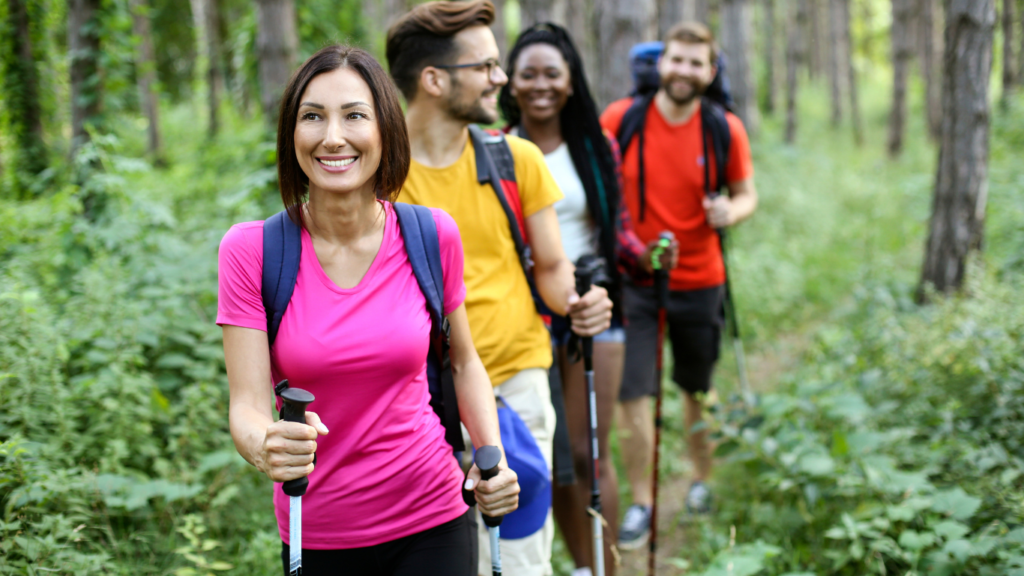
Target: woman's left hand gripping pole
293, 409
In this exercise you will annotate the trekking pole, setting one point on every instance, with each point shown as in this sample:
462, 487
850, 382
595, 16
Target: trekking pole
584, 278
733, 323
661, 293
293, 409
487, 459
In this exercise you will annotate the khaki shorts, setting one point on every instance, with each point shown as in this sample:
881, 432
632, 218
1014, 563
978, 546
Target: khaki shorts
529, 395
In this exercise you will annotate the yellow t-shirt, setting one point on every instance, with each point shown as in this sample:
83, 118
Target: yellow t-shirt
507, 332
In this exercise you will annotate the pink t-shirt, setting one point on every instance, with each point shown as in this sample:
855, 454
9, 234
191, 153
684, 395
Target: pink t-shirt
384, 471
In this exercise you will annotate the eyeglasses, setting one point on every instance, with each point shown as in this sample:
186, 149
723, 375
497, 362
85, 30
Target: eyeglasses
490, 64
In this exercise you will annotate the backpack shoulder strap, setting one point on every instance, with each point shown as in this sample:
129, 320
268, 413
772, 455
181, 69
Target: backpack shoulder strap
282, 250
715, 131
419, 232
633, 120
496, 166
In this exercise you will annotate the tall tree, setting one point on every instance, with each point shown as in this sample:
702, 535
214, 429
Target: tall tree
145, 74
670, 12
813, 40
930, 42
1009, 70
835, 59
620, 25
84, 51
207, 25
770, 88
794, 57
277, 47
1020, 59
851, 73
500, 28
737, 34
22, 111
902, 50
958, 207
534, 11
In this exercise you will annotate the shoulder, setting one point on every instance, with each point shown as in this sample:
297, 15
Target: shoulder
447, 229
243, 237
736, 128
523, 150
611, 118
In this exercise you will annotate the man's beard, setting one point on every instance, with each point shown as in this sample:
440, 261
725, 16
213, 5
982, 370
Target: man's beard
472, 112
697, 90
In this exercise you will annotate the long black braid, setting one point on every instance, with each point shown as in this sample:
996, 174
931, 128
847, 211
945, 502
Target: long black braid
581, 130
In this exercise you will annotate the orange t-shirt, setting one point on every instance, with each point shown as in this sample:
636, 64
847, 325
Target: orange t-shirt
674, 182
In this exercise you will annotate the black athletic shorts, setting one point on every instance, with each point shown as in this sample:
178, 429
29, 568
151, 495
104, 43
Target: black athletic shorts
450, 549
694, 325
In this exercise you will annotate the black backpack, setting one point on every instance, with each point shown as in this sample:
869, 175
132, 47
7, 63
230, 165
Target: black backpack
282, 251
715, 133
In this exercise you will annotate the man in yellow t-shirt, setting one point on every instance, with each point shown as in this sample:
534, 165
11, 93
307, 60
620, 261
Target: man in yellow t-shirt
444, 59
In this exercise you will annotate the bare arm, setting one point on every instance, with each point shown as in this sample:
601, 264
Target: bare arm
281, 450
553, 274
499, 495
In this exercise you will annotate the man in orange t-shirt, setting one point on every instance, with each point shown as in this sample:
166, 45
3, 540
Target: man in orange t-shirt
675, 199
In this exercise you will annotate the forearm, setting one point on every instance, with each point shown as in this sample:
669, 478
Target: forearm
249, 430
477, 408
555, 282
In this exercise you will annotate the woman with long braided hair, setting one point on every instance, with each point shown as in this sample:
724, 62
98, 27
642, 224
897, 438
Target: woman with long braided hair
548, 102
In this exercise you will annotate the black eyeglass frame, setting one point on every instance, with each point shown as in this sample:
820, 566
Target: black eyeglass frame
491, 64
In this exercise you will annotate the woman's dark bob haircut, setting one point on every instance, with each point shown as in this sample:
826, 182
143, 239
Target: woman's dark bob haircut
394, 138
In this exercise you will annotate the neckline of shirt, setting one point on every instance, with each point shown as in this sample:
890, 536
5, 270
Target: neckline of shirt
390, 222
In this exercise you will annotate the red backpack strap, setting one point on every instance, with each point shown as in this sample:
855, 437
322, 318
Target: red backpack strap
496, 166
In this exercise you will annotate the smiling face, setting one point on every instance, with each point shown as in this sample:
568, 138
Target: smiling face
337, 137
685, 70
473, 92
541, 83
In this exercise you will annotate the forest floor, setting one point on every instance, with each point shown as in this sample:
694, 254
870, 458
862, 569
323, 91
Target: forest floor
765, 366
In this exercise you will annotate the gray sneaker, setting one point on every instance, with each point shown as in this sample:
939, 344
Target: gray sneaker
635, 528
698, 499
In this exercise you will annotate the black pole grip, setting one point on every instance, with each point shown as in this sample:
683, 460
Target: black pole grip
487, 459
584, 280
293, 409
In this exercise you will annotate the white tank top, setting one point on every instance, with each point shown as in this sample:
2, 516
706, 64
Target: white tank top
574, 219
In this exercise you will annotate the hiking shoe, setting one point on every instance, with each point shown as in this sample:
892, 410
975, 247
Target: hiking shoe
698, 499
635, 528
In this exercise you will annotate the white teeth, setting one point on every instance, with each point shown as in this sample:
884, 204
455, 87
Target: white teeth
337, 163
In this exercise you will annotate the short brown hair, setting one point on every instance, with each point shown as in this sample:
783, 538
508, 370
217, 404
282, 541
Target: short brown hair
394, 137
690, 32
424, 37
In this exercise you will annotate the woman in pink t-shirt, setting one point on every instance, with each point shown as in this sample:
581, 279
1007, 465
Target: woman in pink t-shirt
385, 495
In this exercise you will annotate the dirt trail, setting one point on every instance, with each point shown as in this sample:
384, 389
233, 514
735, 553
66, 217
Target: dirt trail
765, 367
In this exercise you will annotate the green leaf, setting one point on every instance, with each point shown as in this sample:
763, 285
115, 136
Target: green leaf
955, 503
220, 565
816, 464
959, 549
914, 540
951, 530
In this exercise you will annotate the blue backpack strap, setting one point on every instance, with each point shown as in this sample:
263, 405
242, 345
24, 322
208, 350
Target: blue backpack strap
419, 231
282, 250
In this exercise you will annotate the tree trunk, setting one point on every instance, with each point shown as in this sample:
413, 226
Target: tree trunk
814, 40
1020, 58
958, 208
21, 102
836, 59
207, 25
620, 25
769, 57
851, 72
902, 50
276, 51
84, 49
145, 75
930, 40
1009, 70
794, 56
737, 32
533, 11
670, 13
